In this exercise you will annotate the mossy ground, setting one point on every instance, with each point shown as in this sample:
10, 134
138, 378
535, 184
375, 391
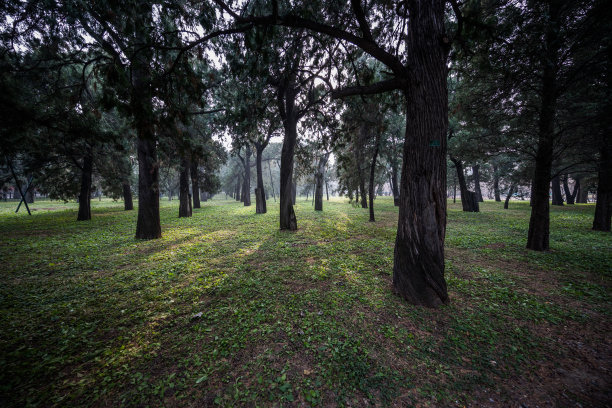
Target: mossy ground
227, 310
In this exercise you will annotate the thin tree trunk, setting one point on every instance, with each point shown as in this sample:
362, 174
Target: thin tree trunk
418, 264
195, 182
469, 200
184, 199
320, 178
454, 188
372, 174
238, 188
539, 223
271, 182
247, 177
496, 184
510, 192
128, 203
557, 197
477, 189
85, 194
260, 196
359, 139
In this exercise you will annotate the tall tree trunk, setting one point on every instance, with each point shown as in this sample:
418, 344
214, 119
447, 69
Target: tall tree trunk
510, 192
372, 174
287, 186
496, 184
557, 197
469, 200
360, 138
195, 182
247, 177
128, 203
394, 186
148, 225
271, 181
477, 189
577, 189
454, 188
184, 199
603, 207
238, 188
539, 223
327, 189
319, 180
85, 194
418, 264
260, 195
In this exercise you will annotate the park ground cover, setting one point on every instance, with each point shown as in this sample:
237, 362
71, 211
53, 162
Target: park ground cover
226, 310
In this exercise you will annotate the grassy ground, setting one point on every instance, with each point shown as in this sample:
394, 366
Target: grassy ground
227, 310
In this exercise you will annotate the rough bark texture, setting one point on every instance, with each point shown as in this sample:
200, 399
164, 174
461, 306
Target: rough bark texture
85, 194
510, 192
184, 199
319, 180
128, 203
539, 222
372, 174
496, 184
148, 225
418, 269
603, 208
469, 200
286, 100
477, 190
195, 182
260, 196
557, 197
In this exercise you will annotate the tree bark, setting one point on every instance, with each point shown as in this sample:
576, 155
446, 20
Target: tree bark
539, 223
287, 186
184, 199
247, 177
359, 140
372, 174
496, 184
603, 206
260, 196
271, 182
128, 203
477, 189
238, 189
195, 182
557, 197
319, 180
85, 194
454, 188
327, 189
418, 267
469, 200
510, 192
583, 194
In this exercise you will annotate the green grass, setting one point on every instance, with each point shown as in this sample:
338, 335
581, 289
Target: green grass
227, 310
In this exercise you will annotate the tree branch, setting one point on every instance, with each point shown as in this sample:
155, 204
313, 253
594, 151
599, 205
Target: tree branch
375, 88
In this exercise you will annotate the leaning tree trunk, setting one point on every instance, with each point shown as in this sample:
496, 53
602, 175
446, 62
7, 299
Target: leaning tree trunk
195, 182
539, 223
372, 174
477, 189
557, 197
85, 194
469, 200
184, 199
510, 192
260, 195
319, 180
603, 207
128, 203
418, 264
496, 184
148, 225
287, 187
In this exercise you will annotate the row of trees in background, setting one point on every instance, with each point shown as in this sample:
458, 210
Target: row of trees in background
411, 94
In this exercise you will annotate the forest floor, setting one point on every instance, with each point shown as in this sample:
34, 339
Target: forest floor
227, 310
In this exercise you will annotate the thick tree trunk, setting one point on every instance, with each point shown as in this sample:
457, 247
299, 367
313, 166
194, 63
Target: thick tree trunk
539, 223
418, 267
496, 184
85, 194
319, 180
148, 225
469, 200
394, 187
287, 186
477, 189
372, 174
195, 182
184, 199
603, 207
128, 203
260, 196
583, 194
293, 192
557, 197
510, 192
